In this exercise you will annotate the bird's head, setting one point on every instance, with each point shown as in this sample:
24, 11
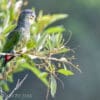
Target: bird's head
27, 16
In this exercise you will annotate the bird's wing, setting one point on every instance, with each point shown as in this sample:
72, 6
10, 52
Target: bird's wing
12, 40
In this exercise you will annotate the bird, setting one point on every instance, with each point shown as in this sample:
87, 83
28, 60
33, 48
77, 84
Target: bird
18, 37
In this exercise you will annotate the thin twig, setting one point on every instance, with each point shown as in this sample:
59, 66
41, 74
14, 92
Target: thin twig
70, 35
19, 83
13, 54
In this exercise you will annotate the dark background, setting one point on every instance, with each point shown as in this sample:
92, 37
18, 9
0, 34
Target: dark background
84, 22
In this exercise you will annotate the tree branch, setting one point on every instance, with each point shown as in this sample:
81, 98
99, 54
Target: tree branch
33, 56
13, 54
19, 83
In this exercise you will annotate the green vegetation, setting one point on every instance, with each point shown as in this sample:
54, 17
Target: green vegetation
44, 46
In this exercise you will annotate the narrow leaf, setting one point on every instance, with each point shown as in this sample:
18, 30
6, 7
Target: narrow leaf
30, 44
36, 71
44, 21
43, 75
63, 50
65, 72
41, 42
1, 97
53, 86
5, 87
8, 29
57, 29
59, 16
10, 78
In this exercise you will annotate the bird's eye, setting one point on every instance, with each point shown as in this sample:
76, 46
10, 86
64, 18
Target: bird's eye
31, 17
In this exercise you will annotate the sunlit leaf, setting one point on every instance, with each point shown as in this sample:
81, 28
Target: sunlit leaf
10, 78
31, 44
43, 75
53, 86
59, 16
65, 72
5, 87
56, 29
63, 50
41, 42
35, 70
44, 20
8, 29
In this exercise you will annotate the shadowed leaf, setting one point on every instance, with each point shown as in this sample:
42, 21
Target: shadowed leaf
53, 86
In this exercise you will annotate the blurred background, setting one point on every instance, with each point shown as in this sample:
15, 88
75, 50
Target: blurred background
84, 23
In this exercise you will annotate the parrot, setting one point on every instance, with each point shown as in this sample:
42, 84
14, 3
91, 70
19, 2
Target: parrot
18, 37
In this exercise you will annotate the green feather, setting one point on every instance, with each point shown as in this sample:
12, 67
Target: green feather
12, 40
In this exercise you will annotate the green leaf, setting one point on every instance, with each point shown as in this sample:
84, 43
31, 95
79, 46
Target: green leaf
65, 72
27, 63
5, 87
1, 98
56, 29
53, 86
43, 75
31, 44
63, 50
41, 41
8, 29
10, 78
44, 20
30, 66
57, 17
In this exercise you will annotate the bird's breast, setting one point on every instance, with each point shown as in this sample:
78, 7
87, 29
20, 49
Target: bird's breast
25, 34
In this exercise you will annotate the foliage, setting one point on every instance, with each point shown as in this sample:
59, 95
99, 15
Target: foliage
43, 48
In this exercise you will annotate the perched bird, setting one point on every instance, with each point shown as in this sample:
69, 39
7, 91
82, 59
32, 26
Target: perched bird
18, 38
